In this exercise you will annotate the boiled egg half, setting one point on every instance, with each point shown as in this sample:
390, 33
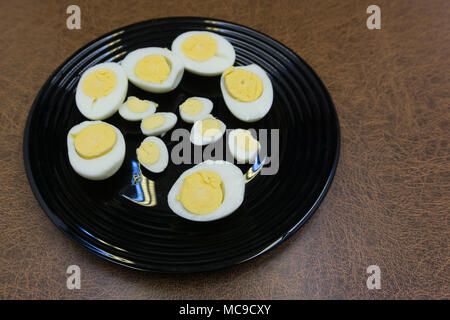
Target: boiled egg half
158, 123
204, 53
135, 109
96, 149
101, 90
153, 69
243, 146
209, 191
247, 92
207, 130
153, 154
195, 108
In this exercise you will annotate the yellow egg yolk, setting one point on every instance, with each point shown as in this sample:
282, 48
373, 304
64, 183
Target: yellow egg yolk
199, 47
153, 68
99, 83
153, 122
95, 140
148, 153
202, 192
209, 127
192, 106
137, 105
244, 140
243, 85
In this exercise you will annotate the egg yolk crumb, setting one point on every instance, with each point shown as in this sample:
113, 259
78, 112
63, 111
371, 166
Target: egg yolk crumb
210, 127
192, 106
95, 140
202, 192
99, 83
199, 47
148, 153
137, 105
153, 122
243, 85
245, 140
153, 68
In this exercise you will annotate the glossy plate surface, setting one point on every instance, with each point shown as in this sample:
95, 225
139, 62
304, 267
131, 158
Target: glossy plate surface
98, 216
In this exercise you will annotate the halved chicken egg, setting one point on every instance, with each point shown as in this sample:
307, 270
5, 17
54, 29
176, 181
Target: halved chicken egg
247, 91
209, 191
101, 90
153, 69
204, 53
96, 149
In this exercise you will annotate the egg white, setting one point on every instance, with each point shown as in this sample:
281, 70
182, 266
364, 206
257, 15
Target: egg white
214, 66
253, 110
207, 108
99, 168
241, 155
198, 139
106, 106
163, 160
129, 115
171, 120
233, 183
176, 69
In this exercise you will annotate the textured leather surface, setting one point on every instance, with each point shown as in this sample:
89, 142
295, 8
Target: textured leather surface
388, 204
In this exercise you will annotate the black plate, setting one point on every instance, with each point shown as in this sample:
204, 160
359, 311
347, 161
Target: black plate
95, 215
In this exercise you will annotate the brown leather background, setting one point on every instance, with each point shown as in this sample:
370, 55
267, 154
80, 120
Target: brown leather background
388, 204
